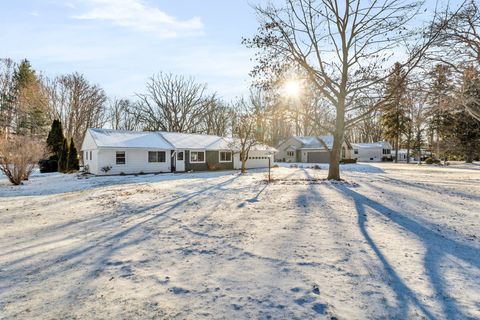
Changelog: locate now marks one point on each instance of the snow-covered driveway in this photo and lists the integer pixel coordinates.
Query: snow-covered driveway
(397, 241)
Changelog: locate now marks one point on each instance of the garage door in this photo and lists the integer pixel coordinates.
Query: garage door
(318, 157)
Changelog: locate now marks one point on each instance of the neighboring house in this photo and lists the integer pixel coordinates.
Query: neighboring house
(129, 152)
(310, 149)
(376, 151)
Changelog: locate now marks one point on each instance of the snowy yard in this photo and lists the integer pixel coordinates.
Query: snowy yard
(398, 241)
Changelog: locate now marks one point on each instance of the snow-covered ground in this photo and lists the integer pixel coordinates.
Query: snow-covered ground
(396, 241)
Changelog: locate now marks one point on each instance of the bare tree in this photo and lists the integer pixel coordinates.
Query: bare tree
(459, 44)
(217, 119)
(174, 103)
(78, 104)
(244, 129)
(123, 115)
(18, 156)
(346, 49)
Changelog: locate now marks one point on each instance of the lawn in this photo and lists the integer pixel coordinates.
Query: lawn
(394, 241)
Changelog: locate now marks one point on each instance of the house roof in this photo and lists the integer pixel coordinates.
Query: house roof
(374, 145)
(128, 139)
(315, 142)
(165, 140)
(192, 141)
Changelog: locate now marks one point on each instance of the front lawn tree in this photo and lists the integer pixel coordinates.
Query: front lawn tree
(346, 50)
(244, 129)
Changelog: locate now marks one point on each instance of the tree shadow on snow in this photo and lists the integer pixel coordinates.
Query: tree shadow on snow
(437, 247)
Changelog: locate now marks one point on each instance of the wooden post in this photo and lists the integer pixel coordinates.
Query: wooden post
(269, 168)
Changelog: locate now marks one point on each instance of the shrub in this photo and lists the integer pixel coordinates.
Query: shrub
(347, 161)
(18, 157)
(213, 166)
(430, 160)
(316, 167)
(72, 157)
(48, 165)
(122, 173)
(106, 169)
(275, 166)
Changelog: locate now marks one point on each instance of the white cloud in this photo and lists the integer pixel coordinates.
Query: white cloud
(139, 15)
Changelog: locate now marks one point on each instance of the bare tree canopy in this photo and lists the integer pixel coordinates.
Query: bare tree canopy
(78, 104)
(174, 103)
(346, 49)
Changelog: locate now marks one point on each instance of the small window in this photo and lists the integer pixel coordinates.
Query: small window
(225, 156)
(290, 154)
(156, 156)
(355, 151)
(180, 156)
(197, 156)
(120, 157)
(90, 155)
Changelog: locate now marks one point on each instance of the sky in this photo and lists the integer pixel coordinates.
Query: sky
(119, 44)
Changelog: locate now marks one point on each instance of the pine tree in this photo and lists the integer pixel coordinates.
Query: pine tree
(394, 118)
(440, 101)
(30, 102)
(63, 159)
(73, 164)
(466, 128)
(55, 138)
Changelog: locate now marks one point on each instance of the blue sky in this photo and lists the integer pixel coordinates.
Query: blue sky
(119, 44)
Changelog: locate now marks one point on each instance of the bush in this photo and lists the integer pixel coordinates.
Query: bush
(19, 155)
(316, 167)
(106, 169)
(275, 166)
(48, 165)
(347, 161)
(430, 160)
(213, 166)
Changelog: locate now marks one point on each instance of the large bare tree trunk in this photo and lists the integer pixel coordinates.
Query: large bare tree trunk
(334, 168)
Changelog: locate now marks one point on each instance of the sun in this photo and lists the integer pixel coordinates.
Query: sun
(292, 88)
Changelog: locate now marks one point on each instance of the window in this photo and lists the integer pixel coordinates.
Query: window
(156, 156)
(197, 156)
(120, 157)
(180, 156)
(290, 154)
(90, 155)
(225, 156)
(355, 151)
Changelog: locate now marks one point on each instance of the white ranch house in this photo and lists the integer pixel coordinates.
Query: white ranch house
(372, 152)
(310, 149)
(113, 152)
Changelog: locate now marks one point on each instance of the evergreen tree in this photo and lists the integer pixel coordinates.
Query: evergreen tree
(466, 129)
(73, 163)
(440, 100)
(394, 119)
(63, 159)
(30, 102)
(55, 138)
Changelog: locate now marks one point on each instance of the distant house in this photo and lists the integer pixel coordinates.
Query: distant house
(310, 149)
(128, 152)
(372, 152)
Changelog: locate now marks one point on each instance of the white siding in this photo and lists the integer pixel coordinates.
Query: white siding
(369, 154)
(291, 144)
(136, 161)
(257, 159)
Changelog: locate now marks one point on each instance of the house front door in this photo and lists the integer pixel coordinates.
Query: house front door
(180, 161)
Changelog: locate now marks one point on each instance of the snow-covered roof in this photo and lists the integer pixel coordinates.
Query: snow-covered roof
(128, 139)
(165, 140)
(230, 143)
(374, 145)
(191, 141)
(315, 142)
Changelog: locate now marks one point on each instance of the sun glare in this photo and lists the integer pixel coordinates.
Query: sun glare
(292, 88)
